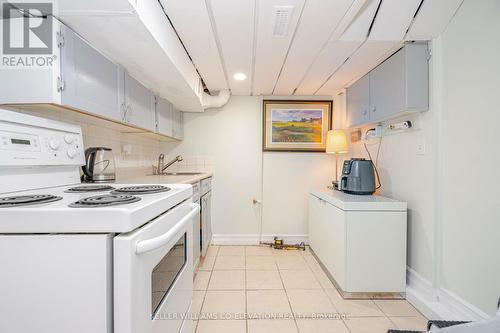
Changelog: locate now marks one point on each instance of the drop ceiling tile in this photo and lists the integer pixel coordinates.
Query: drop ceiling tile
(234, 25)
(319, 20)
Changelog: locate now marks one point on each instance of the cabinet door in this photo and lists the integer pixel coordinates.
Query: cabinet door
(164, 121)
(91, 81)
(178, 124)
(334, 220)
(387, 88)
(358, 102)
(315, 223)
(139, 104)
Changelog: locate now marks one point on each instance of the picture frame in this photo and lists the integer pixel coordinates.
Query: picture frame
(296, 125)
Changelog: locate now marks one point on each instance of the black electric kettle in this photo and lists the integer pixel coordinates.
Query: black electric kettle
(99, 165)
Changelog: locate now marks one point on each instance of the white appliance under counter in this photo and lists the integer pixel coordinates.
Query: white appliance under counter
(361, 242)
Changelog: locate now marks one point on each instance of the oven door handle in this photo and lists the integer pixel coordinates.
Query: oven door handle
(147, 245)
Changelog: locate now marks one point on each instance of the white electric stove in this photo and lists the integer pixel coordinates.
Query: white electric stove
(86, 257)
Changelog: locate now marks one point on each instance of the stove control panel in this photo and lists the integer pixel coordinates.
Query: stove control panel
(32, 141)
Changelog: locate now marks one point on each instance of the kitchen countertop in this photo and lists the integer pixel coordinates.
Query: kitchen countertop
(165, 179)
(346, 201)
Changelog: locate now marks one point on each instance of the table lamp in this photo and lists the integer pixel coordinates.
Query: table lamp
(336, 143)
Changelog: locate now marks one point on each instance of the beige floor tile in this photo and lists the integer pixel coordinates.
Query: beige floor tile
(212, 250)
(354, 308)
(221, 326)
(258, 251)
(201, 280)
(323, 279)
(290, 253)
(267, 304)
(410, 323)
(263, 280)
(291, 262)
(198, 297)
(299, 279)
(369, 325)
(229, 280)
(272, 326)
(193, 324)
(261, 262)
(312, 263)
(308, 303)
(229, 262)
(230, 302)
(207, 263)
(321, 326)
(231, 251)
(397, 308)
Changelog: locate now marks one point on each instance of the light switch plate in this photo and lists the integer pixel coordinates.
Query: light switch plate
(421, 149)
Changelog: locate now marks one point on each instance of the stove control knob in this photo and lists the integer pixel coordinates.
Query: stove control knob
(71, 153)
(54, 144)
(69, 139)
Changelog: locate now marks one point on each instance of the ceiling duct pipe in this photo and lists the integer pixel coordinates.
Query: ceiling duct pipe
(209, 101)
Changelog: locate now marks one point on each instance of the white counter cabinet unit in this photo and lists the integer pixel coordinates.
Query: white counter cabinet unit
(361, 241)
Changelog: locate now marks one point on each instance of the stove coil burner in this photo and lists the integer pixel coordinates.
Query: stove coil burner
(25, 200)
(104, 200)
(141, 189)
(90, 188)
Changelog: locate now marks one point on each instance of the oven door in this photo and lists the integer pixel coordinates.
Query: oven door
(153, 273)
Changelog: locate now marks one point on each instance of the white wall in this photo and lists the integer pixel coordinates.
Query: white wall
(231, 138)
(471, 159)
(454, 221)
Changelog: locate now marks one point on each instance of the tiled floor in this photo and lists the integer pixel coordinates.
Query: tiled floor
(252, 289)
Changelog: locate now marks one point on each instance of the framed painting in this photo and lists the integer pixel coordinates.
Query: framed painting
(296, 125)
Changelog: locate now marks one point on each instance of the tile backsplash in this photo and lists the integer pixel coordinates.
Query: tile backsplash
(143, 148)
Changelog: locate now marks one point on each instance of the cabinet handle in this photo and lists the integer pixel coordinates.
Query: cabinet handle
(365, 112)
(374, 109)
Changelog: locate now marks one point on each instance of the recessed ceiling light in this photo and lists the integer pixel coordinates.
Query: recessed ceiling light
(239, 76)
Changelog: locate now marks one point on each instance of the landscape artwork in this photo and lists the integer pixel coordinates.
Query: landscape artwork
(296, 125)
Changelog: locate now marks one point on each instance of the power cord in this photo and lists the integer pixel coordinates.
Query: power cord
(376, 160)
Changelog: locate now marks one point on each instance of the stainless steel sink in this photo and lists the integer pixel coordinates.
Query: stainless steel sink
(179, 174)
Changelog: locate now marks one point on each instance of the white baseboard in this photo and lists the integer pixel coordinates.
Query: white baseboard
(440, 304)
(254, 239)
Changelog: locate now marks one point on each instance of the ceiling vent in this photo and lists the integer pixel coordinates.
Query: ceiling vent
(282, 15)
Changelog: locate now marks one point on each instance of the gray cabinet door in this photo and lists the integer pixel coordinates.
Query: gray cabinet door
(401, 83)
(178, 124)
(358, 102)
(139, 104)
(387, 89)
(164, 121)
(91, 81)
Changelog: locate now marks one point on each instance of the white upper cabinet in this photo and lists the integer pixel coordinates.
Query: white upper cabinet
(399, 85)
(138, 104)
(90, 81)
(164, 121)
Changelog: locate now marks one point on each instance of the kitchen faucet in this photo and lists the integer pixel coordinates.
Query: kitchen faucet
(161, 163)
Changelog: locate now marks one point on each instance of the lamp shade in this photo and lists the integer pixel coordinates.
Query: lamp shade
(336, 142)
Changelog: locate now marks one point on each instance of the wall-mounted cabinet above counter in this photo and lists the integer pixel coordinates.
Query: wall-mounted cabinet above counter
(138, 35)
(397, 86)
(84, 80)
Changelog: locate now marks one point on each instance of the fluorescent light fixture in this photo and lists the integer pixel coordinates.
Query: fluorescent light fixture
(239, 76)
